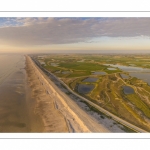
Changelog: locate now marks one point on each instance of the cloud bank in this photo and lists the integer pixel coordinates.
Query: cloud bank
(46, 31)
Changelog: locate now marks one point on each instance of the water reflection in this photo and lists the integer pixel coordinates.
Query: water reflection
(143, 76)
(111, 68)
(99, 73)
(124, 76)
(84, 88)
(90, 79)
(129, 68)
(128, 90)
(10, 64)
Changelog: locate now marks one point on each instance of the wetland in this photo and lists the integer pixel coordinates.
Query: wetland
(85, 88)
(121, 87)
(128, 90)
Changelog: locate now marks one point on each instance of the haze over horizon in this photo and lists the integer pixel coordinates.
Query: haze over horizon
(74, 34)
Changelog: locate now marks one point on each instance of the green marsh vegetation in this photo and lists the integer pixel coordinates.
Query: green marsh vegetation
(108, 89)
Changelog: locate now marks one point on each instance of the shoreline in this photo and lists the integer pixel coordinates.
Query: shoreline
(14, 116)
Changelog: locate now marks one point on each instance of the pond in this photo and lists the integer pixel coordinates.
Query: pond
(54, 64)
(128, 90)
(124, 76)
(85, 88)
(138, 72)
(129, 68)
(59, 71)
(111, 68)
(141, 75)
(66, 72)
(99, 73)
(90, 79)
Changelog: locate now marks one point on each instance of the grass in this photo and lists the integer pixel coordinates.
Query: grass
(83, 66)
(139, 104)
(102, 115)
(79, 74)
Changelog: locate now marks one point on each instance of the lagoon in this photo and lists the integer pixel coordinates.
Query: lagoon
(85, 88)
(141, 75)
(128, 90)
(111, 68)
(129, 68)
(99, 73)
(90, 79)
(124, 76)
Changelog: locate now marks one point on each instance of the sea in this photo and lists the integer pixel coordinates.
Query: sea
(9, 64)
(13, 107)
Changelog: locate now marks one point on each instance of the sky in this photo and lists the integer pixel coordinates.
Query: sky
(59, 34)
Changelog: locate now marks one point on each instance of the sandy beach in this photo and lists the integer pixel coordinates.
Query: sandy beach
(52, 119)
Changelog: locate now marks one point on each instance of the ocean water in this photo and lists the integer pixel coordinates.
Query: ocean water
(9, 64)
(13, 105)
(16, 102)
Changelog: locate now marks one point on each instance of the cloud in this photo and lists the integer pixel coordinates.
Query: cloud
(45, 31)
